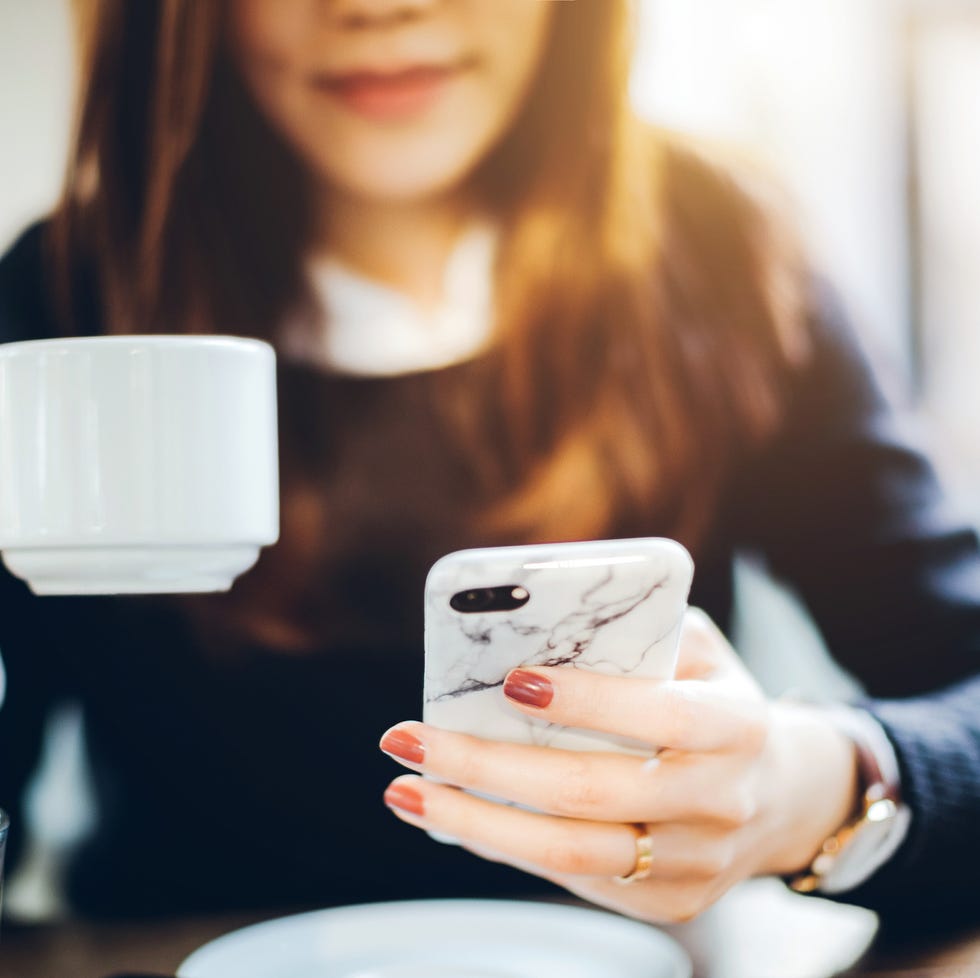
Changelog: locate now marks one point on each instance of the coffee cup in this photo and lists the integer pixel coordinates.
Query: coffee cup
(137, 464)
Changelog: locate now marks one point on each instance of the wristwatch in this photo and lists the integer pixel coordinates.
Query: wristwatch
(869, 839)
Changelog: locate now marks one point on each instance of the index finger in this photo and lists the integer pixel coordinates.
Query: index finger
(689, 715)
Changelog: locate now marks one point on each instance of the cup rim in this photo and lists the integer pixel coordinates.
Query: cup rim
(195, 340)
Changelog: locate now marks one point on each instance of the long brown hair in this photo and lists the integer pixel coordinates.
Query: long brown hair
(647, 305)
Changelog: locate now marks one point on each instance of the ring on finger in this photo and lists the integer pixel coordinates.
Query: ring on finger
(643, 866)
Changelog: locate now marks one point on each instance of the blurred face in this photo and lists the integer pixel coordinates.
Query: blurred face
(390, 99)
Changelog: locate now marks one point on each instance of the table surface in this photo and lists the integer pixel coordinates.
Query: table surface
(760, 932)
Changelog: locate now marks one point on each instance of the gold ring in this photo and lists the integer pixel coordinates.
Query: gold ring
(644, 857)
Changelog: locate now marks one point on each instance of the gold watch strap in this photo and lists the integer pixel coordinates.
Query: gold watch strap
(876, 807)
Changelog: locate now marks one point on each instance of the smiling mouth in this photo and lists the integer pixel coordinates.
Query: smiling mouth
(391, 95)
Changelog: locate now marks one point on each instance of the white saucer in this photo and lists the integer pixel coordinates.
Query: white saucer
(443, 939)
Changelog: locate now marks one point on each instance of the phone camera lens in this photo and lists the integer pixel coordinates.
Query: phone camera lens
(472, 601)
(486, 599)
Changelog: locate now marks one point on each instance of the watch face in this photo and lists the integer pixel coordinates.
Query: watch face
(881, 810)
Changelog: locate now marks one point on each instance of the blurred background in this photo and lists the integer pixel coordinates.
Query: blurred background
(866, 111)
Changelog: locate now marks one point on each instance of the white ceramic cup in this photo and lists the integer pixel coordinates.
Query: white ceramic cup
(137, 464)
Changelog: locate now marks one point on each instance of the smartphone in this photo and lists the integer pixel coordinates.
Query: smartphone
(610, 606)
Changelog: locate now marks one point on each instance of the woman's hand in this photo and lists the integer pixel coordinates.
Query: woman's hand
(741, 786)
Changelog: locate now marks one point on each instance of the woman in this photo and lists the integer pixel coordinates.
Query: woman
(506, 312)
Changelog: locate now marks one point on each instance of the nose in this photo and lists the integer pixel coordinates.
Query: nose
(354, 14)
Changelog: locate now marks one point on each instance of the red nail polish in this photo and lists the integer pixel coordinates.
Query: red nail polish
(403, 745)
(406, 798)
(529, 688)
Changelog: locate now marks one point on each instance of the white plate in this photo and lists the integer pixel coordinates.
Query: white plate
(443, 939)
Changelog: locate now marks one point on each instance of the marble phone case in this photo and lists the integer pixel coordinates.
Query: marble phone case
(613, 607)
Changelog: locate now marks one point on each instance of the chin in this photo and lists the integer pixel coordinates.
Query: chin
(399, 172)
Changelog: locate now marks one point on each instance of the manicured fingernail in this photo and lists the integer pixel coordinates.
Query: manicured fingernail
(529, 688)
(404, 746)
(406, 798)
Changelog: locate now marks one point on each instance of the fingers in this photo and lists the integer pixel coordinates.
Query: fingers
(607, 787)
(714, 704)
(704, 653)
(542, 844)
(559, 848)
(655, 901)
(688, 715)
(575, 784)
(703, 649)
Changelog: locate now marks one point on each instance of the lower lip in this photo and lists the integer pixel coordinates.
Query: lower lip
(392, 97)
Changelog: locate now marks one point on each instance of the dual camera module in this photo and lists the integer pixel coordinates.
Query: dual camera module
(483, 600)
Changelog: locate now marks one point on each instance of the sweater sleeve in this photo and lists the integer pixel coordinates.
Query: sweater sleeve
(32, 685)
(848, 511)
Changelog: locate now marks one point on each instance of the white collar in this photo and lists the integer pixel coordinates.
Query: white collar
(371, 329)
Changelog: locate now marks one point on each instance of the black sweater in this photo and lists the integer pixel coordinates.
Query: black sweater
(255, 779)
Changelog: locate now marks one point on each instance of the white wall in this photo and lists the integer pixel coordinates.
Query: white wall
(814, 91)
(948, 109)
(36, 68)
